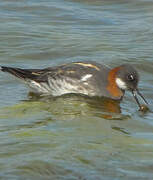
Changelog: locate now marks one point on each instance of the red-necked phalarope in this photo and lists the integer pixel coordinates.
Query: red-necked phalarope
(89, 78)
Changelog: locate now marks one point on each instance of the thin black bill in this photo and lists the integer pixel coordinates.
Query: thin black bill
(135, 97)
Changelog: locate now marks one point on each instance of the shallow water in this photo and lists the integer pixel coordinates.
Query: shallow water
(75, 137)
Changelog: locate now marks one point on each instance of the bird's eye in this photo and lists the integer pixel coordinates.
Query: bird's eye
(130, 77)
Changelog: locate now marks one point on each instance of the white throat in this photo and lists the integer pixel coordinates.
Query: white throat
(121, 84)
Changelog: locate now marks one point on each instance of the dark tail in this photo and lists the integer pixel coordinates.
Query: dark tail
(20, 73)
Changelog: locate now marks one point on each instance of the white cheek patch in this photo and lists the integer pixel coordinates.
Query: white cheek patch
(86, 77)
(121, 84)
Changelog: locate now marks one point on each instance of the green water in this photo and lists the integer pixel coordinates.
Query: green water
(75, 137)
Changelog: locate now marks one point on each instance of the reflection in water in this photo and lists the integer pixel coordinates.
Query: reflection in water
(65, 107)
(80, 104)
(68, 107)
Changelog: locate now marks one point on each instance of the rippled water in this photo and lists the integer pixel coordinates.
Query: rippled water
(75, 137)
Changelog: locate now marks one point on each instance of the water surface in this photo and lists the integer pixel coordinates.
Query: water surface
(74, 137)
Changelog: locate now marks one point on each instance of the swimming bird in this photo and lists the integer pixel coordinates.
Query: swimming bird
(88, 78)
